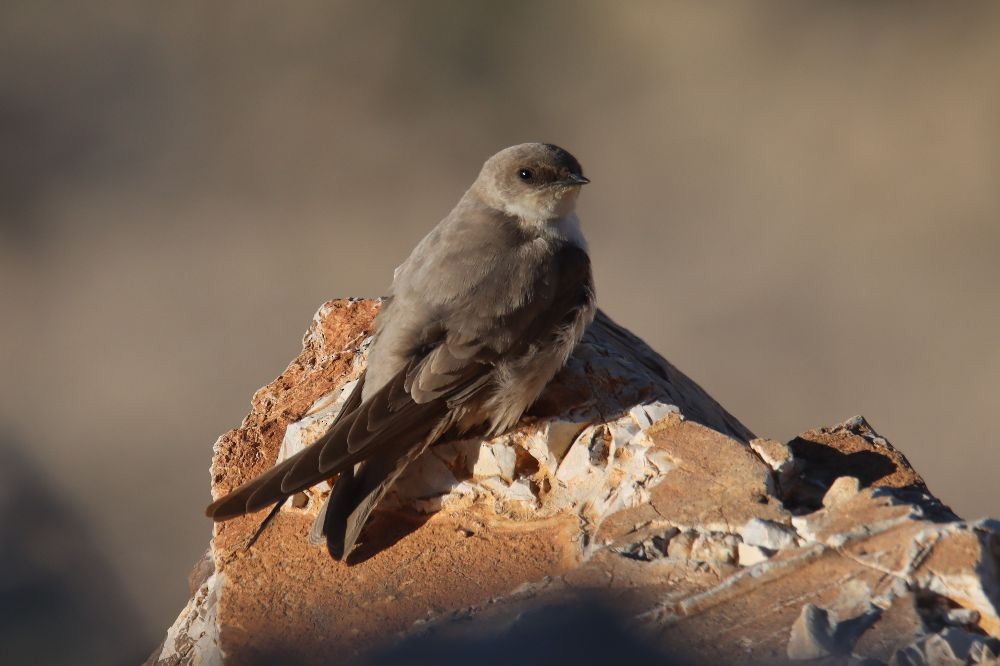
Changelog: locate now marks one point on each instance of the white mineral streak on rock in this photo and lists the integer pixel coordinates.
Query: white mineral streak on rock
(486, 464)
(767, 534)
(194, 636)
(518, 491)
(430, 477)
(641, 417)
(657, 411)
(577, 461)
(553, 441)
(506, 457)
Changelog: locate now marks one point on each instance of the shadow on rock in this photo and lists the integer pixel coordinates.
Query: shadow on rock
(582, 632)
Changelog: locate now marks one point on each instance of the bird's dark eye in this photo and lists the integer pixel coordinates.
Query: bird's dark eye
(525, 174)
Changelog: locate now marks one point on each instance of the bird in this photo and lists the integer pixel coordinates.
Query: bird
(479, 318)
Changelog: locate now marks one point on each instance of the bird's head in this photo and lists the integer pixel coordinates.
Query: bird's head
(531, 181)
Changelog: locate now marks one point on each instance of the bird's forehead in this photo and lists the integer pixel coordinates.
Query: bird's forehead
(539, 153)
(562, 158)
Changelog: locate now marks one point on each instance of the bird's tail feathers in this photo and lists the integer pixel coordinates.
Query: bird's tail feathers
(356, 494)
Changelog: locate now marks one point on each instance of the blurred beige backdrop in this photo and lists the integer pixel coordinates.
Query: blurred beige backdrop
(797, 203)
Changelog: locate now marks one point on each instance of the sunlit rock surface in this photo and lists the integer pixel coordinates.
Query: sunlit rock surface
(628, 485)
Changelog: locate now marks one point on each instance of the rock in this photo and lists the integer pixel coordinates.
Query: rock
(951, 647)
(853, 449)
(779, 457)
(750, 555)
(812, 634)
(962, 617)
(900, 625)
(767, 534)
(841, 490)
(817, 633)
(708, 547)
(627, 484)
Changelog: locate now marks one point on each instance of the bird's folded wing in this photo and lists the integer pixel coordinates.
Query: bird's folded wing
(385, 417)
(449, 374)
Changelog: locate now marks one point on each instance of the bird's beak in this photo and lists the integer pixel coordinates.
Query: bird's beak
(576, 179)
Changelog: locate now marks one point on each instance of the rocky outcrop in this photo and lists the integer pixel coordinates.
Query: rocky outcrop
(626, 486)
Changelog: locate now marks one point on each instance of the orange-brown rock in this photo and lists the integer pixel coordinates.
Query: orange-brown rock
(627, 484)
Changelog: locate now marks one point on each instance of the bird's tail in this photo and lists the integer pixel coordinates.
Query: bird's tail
(367, 446)
(355, 495)
(271, 486)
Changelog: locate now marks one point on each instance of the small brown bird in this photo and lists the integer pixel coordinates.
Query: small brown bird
(480, 317)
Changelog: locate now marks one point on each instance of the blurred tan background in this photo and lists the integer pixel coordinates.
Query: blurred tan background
(797, 203)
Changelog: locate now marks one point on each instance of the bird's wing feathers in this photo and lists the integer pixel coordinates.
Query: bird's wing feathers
(383, 417)
(389, 415)
(417, 400)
